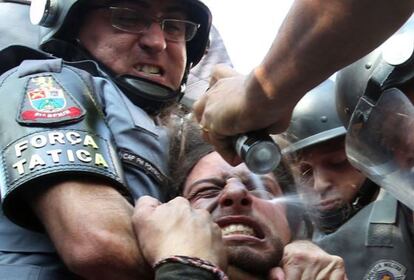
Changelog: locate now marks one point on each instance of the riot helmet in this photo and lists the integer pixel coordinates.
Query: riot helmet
(61, 19)
(315, 121)
(374, 100)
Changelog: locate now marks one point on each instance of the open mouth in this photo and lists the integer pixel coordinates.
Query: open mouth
(240, 227)
(237, 229)
(150, 70)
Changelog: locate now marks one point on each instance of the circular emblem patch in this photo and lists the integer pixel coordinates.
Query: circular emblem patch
(386, 270)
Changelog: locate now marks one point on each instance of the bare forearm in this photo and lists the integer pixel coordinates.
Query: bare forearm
(90, 225)
(318, 37)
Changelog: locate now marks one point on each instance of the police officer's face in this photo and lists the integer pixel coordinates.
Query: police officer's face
(326, 179)
(147, 54)
(254, 228)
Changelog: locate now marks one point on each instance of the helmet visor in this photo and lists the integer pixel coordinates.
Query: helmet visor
(380, 143)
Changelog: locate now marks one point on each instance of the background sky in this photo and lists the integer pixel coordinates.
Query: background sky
(248, 27)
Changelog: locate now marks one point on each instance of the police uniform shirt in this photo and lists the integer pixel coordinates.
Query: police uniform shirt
(58, 119)
(377, 243)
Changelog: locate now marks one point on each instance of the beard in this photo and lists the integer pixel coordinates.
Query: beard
(253, 260)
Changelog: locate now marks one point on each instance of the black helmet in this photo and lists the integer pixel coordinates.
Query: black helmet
(314, 119)
(372, 103)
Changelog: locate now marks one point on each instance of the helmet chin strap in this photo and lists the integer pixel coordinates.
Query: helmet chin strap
(329, 221)
(148, 95)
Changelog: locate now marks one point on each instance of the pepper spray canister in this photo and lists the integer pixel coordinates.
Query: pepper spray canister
(258, 150)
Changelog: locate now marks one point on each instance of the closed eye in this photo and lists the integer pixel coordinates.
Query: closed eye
(204, 192)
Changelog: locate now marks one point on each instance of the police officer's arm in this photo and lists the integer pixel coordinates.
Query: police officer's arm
(60, 171)
(317, 38)
(89, 223)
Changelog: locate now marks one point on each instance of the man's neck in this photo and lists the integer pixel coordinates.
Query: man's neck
(235, 273)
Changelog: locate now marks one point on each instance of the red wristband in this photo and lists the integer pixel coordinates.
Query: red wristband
(196, 262)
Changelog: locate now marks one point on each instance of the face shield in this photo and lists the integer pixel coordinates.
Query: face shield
(380, 142)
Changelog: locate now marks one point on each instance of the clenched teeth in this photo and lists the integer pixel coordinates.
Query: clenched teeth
(149, 69)
(237, 229)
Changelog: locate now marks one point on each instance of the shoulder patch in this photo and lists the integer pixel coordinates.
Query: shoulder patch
(46, 102)
(386, 270)
(144, 165)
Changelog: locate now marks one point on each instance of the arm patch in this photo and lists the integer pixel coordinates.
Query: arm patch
(47, 102)
(51, 143)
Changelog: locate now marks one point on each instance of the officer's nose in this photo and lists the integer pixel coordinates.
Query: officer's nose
(153, 39)
(321, 180)
(235, 195)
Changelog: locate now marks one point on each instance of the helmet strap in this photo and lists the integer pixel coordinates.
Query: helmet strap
(365, 194)
(148, 95)
(329, 221)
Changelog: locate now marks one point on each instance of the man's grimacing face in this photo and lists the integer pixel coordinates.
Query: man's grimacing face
(148, 54)
(255, 230)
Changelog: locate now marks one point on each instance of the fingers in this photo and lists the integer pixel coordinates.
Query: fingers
(215, 117)
(146, 204)
(306, 261)
(335, 270)
(179, 200)
(192, 231)
(198, 108)
(337, 274)
(221, 71)
(311, 270)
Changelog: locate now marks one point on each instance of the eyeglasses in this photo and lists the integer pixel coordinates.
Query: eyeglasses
(135, 21)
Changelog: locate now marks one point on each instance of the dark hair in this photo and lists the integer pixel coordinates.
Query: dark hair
(187, 147)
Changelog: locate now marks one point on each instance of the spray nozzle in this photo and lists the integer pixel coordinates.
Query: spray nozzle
(258, 151)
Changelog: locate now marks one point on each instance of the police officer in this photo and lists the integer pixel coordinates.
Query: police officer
(80, 131)
(374, 99)
(331, 188)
